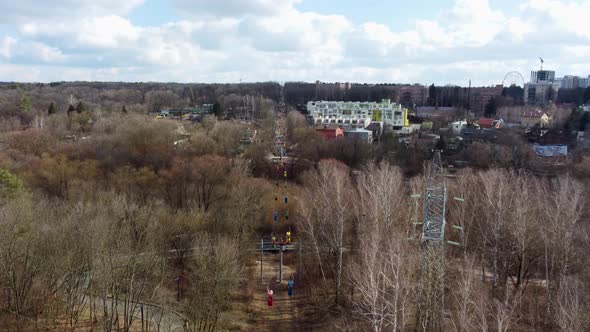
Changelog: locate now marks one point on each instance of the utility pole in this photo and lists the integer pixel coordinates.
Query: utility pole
(261, 256)
(281, 266)
(469, 97)
(141, 307)
(178, 289)
(300, 266)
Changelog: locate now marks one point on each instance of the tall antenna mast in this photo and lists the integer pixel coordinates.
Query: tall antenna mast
(469, 97)
(541, 62)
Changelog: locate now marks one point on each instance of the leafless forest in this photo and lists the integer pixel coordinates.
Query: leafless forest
(102, 210)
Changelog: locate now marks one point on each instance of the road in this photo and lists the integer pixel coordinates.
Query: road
(284, 314)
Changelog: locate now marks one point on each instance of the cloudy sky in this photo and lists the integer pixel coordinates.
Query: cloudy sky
(418, 41)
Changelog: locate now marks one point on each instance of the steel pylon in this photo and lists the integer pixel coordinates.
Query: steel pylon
(432, 286)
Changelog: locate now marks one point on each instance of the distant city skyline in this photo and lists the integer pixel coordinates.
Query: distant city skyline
(377, 41)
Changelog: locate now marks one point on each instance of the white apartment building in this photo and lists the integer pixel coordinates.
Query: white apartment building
(358, 114)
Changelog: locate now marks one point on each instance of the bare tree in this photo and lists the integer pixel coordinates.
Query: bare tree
(464, 295)
(215, 275)
(562, 210)
(496, 199)
(504, 313)
(382, 276)
(124, 262)
(568, 306)
(20, 256)
(295, 120)
(524, 229)
(327, 215)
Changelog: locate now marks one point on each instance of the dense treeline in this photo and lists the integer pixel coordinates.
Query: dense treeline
(21, 102)
(577, 96)
(301, 92)
(102, 211)
(520, 264)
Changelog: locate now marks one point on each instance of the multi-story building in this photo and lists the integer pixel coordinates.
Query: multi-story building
(358, 114)
(542, 76)
(540, 92)
(542, 88)
(570, 82)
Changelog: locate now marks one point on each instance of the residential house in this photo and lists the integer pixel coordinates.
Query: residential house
(485, 123)
(457, 126)
(330, 133)
(536, 117)
(489, 123)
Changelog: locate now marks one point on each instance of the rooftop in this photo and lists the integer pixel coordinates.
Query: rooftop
(533, 114)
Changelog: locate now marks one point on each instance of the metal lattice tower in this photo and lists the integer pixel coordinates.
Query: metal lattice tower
(431, 304)
(434, 203)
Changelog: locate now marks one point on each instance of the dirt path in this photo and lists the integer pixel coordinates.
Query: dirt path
(284, 315)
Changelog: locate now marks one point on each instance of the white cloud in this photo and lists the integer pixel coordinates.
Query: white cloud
(26, 10)
(233, 8)
(577, 51)
(12, 48)
(110, 31)
(567, 16)
(468, 24)
(273, 40)
(43, 52)
(6, 47)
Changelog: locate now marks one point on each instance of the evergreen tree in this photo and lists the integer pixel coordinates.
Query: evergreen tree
(432, 95)
(71, 109)
(574, 121)
(217, 110)
(24, 103)
(515, 92)
(80, 107)
(491, 108)
(10, 185)
(52, 109)
(584, 119)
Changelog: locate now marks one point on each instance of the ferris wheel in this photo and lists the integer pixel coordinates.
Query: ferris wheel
(513, 78)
